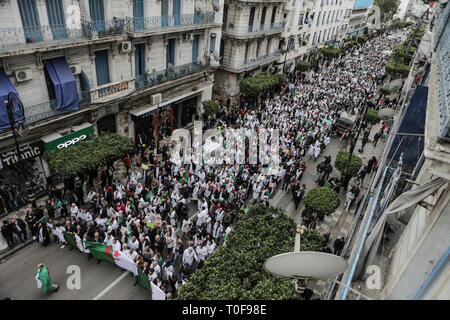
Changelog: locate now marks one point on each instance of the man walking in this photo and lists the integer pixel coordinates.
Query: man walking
(43, 279)
(376, 138)
(338, 245)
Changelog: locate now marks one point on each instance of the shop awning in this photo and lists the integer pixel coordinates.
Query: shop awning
(63, 82)
(5, 88)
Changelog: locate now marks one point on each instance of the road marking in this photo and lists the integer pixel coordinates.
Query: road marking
(101, 294)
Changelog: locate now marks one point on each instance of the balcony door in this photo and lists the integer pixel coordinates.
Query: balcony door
(139, 59)
(138, 14)
(30, 20)
(195, 45)
(102, 67)
(272, 19)
(57, 22)
(176, 11)
(170, 52)
(97, 11)
(164, 13)
(263, 18)
(251, 19)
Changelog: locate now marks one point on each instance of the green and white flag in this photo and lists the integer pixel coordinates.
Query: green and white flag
(43, 280)
(102, 251)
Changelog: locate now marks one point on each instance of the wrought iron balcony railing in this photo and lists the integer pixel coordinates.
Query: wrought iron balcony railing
(253, 30)
(42, 36)
(29, 37)
(158, 77)
(252, 62)
(157, 23)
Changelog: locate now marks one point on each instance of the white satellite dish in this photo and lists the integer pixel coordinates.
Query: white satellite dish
(306, 265)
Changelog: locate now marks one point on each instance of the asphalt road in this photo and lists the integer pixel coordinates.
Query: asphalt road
(104, 280)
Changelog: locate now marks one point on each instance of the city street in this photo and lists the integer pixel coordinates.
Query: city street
(105, 281)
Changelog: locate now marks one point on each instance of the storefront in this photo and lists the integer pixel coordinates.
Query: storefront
(31, 168)
(61, 140)
(107, 124)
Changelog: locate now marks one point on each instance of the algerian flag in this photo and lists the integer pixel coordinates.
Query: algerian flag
(80, 245)
(43, 280)
(157, 293)
(70, 238)
(149, 195)
(102, 251)
(143, 280)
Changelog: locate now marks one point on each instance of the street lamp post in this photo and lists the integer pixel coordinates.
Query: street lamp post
(21, 129)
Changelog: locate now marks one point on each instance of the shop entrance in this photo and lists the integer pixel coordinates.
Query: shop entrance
(186, 112)
(144, 126)
(107, 124)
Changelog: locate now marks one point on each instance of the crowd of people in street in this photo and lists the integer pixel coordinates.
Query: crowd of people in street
(147, 216)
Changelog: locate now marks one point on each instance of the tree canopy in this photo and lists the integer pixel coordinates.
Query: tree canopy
(387, 7)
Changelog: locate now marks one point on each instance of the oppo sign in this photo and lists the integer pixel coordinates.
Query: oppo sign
(71, 142)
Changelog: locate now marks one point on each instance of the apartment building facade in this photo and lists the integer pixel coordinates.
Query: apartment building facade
(358, 17)
(90, 66)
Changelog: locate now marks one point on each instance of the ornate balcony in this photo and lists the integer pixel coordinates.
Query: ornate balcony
(161, 23)
(255, 30)
(43, 36)
(240, 66)
(158, 77)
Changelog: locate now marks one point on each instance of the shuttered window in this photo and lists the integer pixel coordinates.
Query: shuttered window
(195, 45)
(97, 14)
(55, 12)
(102, 67)
(30, 20)
(138, 14)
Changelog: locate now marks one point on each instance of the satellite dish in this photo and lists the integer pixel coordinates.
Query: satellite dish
(308, 265)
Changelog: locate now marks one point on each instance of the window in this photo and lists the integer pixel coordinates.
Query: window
(139, 59)
(56, 20)
(176, 12)
(300, 19)
(247, 45)
(138, 14)
(30, 20)
(272, 19)
(323, 18)
(97, 15)
(291, 44)
(263, 18)
(328, 18)
(165, 13)
(318, 39)
(314, 38)
(251, 19)
(195, 45)
(318, 19)
(268, 46)
(102, 67)
(212, 43)
(170, 52)
(225, 17)
(258, 47)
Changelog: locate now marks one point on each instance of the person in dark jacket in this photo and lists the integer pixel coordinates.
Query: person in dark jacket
(7, 232)
(30, 219)
(338, 245)
(20, 229)
(50, 209)
(43, 235)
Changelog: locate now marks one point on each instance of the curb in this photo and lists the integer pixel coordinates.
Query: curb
(15, 250)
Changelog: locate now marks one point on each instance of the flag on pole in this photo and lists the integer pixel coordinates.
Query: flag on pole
(102, 251)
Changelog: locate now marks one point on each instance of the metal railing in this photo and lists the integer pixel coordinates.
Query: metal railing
(249, 63)
(158, 77)
(111, 89)
(157, 23)
(41, 36)
(38, 36)
(254, 29)
(49, 109)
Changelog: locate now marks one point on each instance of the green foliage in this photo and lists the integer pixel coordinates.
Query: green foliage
(361, 39)
(371, 116)
(303, 66)
(88, 154)
(211, 107)
(235, 271)
(252, 86)
(384, 91)
(341, 162)
(322, 200)
(397, 68)
(312, 240)
(330, 51)
(387, 7)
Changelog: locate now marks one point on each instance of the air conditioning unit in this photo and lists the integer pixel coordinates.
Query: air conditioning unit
(75, 68)
(156, 99)
(188, 36)
(24, 75)
(125, 47)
